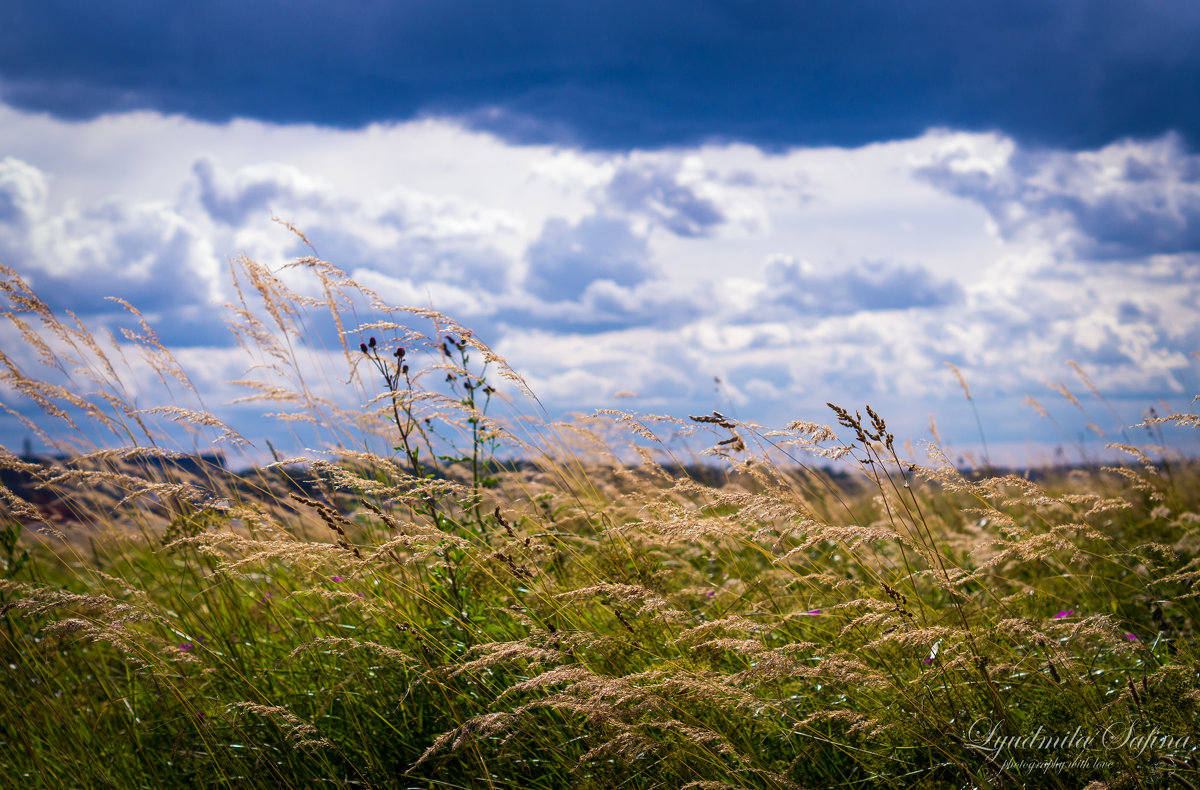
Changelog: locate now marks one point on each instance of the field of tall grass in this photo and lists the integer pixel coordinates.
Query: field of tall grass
(443, 592)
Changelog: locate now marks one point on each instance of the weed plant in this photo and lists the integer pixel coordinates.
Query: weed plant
(408, 606)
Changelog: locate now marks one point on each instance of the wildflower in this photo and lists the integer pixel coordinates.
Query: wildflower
(371, 342)
(1131, 637)
(363, 346)
(360, 595)
(933, 651)
(813, 611)
(187, 647)
(338, 578)
(1064, 613)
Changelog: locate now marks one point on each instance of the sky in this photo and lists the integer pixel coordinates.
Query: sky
(664, 207)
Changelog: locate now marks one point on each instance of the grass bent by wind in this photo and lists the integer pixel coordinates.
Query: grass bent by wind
(403, 605)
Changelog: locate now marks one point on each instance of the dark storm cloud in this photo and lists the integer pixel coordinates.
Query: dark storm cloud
(620, 73)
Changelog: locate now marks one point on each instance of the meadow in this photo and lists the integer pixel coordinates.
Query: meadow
(446, 592)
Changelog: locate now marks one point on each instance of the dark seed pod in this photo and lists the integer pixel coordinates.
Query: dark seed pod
(363, 346)
(371, 342)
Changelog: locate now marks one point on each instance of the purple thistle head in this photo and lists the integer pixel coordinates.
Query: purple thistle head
(1064, 613)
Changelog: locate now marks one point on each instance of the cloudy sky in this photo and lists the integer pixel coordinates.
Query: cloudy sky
(810, 201)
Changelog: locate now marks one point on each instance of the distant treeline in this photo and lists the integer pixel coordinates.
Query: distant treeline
(38, 480)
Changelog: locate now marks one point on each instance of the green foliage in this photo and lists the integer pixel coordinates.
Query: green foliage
(12, 556)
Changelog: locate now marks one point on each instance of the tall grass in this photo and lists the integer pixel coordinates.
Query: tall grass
(408, 606)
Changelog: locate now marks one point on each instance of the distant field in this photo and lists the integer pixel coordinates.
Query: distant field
(404, 610)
